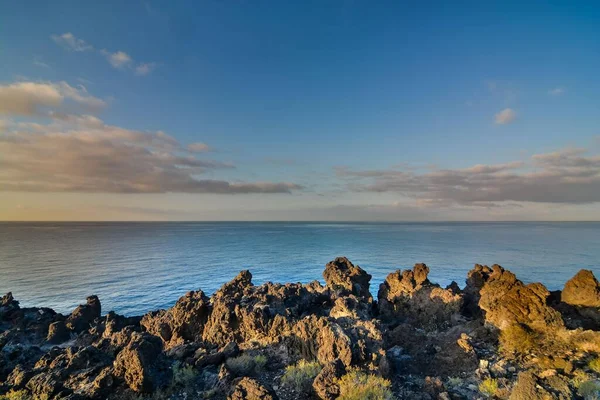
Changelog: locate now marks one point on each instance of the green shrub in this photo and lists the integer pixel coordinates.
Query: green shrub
(246, 365)
(518, 339)
(589, 390)
(357, 385)
(595, 365)
(16, 395)
(183, 375)
(300, 377)
(489, 387)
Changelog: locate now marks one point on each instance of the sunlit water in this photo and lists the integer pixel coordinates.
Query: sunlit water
(137, 267)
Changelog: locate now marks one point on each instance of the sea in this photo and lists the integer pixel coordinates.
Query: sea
(138, 267)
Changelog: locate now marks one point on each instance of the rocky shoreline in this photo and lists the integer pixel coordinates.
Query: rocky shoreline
(496, 338)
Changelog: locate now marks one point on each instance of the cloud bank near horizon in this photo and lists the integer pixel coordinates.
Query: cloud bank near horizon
(568, 176)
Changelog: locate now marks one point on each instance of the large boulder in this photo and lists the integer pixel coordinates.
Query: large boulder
(507, 301)
(82, 317)
(409, 296)
(346, 278)
(582, 290)
(136, 363)
(251, 389)
(326, 341)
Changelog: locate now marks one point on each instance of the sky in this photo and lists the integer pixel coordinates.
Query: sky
(312, 110)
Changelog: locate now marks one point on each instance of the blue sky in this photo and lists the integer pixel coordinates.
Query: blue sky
(292, 94)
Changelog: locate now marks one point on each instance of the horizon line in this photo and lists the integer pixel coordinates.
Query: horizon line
(291, 221)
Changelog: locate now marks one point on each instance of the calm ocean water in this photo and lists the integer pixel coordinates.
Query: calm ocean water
(137, 267)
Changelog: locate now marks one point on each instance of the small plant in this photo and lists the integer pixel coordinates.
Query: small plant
(357, 385)
(595, 365)
(455, 381)
(183, 375)
(246, 365)
(489, 387)
(589, 390)
(260, 362)
(518, 339)
(300, 377)
(16, 395)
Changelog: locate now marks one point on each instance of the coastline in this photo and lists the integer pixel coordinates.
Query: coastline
(416, 339)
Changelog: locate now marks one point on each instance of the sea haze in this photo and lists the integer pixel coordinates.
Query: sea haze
(137, 267)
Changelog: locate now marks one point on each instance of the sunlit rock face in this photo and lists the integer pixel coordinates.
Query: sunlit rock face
(582, 290)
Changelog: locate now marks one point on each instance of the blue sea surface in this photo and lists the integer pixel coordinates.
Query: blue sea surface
(138, 267)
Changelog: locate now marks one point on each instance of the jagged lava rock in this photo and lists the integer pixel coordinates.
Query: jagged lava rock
(408, 295)
(341, 275)
(81, 318)
(136, 362)
(58, 332)
(582, 290)
(183, 322)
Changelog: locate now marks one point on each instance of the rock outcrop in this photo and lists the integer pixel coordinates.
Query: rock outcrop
(183, 322)
(82, 317)
(507, 301)
(408, 296)
(582, 290)
(237, 343)
(346, 278)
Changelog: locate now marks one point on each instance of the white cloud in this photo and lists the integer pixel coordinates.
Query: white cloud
(80, 153)
(70, 42)
(118, 59)
(506, 116)
(557, 91)
(198, 147)
(30, 98)
(144, 69)
(40, 64)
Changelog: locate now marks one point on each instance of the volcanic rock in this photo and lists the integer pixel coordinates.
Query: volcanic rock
(409, 296)
(344, 277)
(251, 389)
(325, 384)
(82, 317)
(582, 290)
(58, 332)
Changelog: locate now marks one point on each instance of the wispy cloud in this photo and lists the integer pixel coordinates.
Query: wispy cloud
(505, 116)
(557, 91)
(198, 147)
(70, 42)
(144, 68)
(118, 59)
(38, 63)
